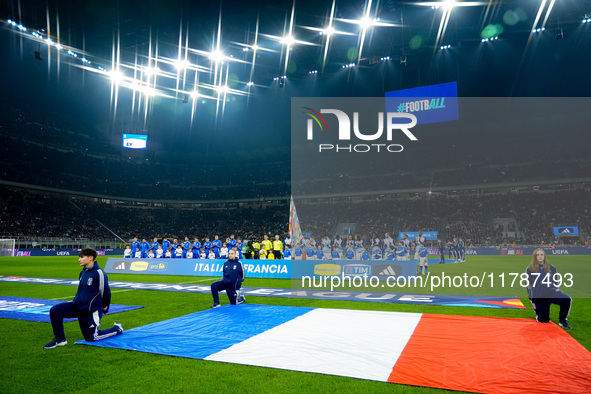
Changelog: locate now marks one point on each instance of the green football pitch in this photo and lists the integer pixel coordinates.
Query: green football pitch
(27, 367)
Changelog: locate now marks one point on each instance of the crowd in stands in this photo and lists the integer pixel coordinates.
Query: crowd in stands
(470, 217)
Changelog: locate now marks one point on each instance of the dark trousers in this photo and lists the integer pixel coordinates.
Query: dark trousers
(441, 257)
(89, 322)
(231, 291)
(542, 307)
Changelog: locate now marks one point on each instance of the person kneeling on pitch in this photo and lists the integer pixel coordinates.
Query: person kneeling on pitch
(543, 291)
(233, 276)
(91, 301)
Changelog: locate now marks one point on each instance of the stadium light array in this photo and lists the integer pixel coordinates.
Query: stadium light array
(490, 39)
(313, 72)
(538, 30)
(385, 58)
(443, 47)
(249, 83)
(588, 20)
(349, 65)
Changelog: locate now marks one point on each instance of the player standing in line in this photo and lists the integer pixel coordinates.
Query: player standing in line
(449, 250)
(543, 290)
(135, 245)
(91, 301)
(337, 243)
(441, 247)
(233, 276)
(155, 246)
(455, 250)
(239, 247)
(423, 258)
(388, 241)
(165, 245)
(462, 246)
(186, 247)
(406, 242)
(196, 248)
(231, 242)
(217, 244)
(420, 239)
(145, 246)
(174, 246)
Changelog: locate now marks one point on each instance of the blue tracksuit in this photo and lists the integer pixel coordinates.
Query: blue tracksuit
(186, 247)
(233, 276)
(217, 244)
(144, 247)
(92, 296)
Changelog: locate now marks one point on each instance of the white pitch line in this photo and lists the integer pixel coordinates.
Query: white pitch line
(123, 290)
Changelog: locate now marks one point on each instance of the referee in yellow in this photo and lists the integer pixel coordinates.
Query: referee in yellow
(278, 248)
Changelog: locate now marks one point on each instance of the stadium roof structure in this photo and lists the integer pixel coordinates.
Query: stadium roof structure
(215, 77)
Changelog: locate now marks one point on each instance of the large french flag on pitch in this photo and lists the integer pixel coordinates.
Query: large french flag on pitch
(478, 354)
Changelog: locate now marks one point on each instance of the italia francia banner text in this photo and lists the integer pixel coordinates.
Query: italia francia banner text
(279, 269)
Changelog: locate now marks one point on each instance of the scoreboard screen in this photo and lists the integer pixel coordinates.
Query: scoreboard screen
(135, 141)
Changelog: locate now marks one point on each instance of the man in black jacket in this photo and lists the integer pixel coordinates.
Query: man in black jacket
(233, 276)
(92, 300)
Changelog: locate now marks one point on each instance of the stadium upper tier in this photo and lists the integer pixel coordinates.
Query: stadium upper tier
(473, 217)
(47, 155)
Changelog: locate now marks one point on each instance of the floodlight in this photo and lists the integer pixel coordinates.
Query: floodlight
(288, 40)
(116, 76)
(181, 64)
(217, 56)
(329, 31)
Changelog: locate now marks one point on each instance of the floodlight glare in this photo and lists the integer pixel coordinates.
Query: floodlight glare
(288, 40)
(223, 89)
(365, 23)
(250, 83)
(329, 31)
(447, 4)
(152, 71)
(181, 64)
(255, 47)
(217, 56)
(194, 94)
(116, 76)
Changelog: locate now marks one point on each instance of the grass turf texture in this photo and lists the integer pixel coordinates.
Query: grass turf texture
(27, 367)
